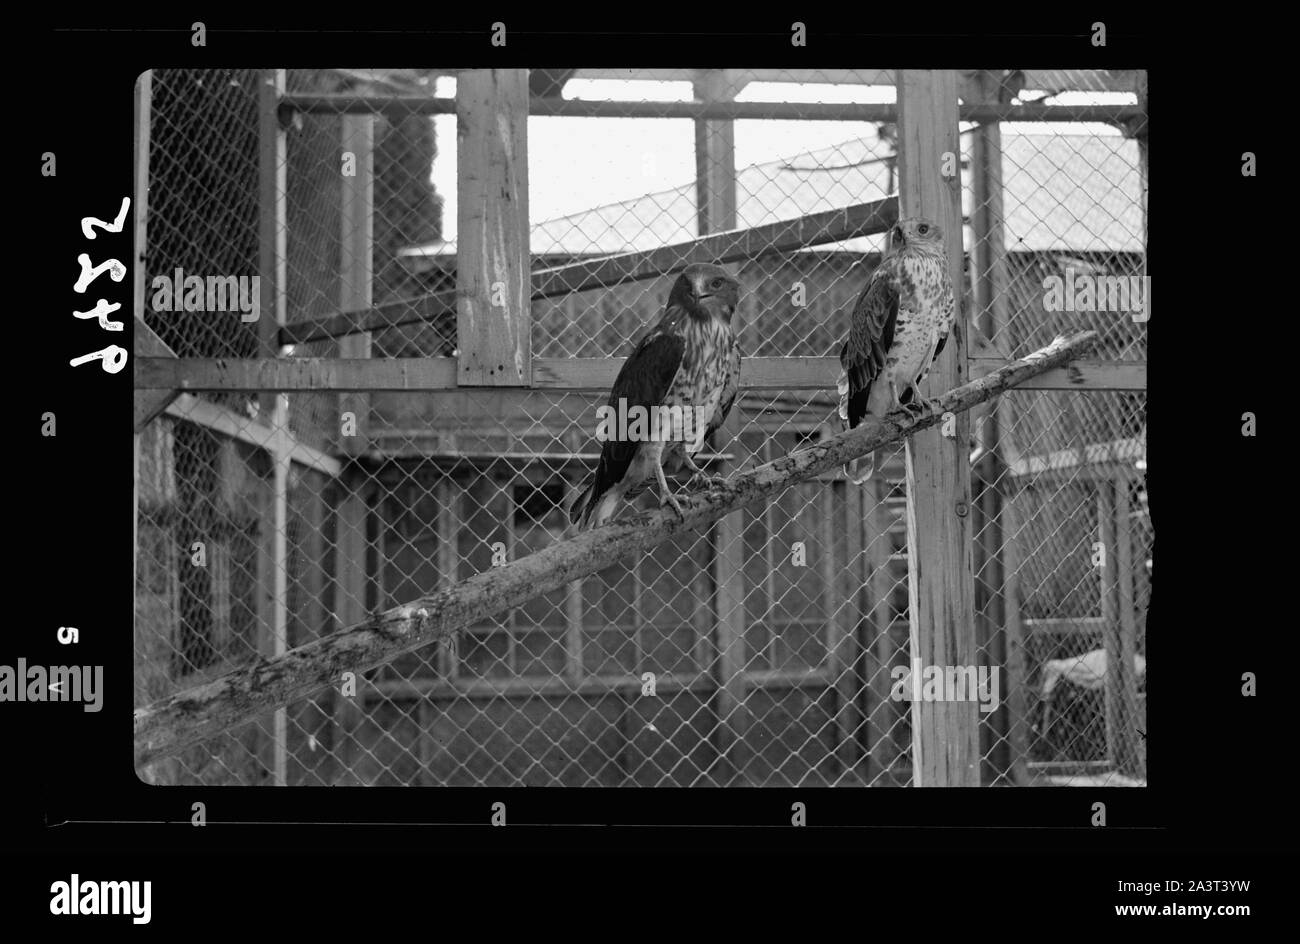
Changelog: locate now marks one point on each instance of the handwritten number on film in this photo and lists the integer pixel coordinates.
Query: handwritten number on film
(111, 358)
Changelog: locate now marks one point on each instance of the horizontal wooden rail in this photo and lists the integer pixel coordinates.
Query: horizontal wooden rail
(556, 374)
(816, 229)
(167, 727)
(399, 106)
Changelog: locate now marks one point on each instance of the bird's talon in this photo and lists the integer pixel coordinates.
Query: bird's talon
(702, 480)
(921, 406)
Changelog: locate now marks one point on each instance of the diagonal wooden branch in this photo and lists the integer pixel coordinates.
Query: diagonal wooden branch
(172, 724)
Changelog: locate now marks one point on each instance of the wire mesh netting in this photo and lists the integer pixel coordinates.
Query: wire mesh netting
(764, 650)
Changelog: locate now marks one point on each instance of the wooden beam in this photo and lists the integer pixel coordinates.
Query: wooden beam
(720, 245)
(402, 106)
(227, 422)
(1064, 625)
(1056, 80)
(1126, 451)
(559, 374)
(149, 401)
(172, 724)
(941, 604)
(493, 291)
(734, 245)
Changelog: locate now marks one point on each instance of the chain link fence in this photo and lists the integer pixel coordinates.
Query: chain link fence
(773, 636)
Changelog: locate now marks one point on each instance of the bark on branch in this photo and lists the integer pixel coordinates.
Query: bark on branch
(186, 718)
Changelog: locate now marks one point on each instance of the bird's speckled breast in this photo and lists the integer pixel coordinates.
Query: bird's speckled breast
(925, 308)
(702, 373)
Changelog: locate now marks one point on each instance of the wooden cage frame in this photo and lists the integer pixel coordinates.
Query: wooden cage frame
(492, 108)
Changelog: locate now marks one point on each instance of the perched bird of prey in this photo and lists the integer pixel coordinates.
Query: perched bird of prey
(897, 329)
(687, 359)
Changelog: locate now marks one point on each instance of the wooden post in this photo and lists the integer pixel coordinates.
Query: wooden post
(1110, 618)
(148, 403)
(715, 190)
(356, 290)
(356, 262)
(715, 156)
(1128, 627)
(875, 518)
(280, 580)
(140, 198)
(143, 101)
(272, 233)
(945, 735)
(1129, 758)
(449, 505)
(990, 283)
(493, 282)
(350, 558)
(1017, 669)
(842, 594)
(272, 256)
(312, 617)
(1140, 131)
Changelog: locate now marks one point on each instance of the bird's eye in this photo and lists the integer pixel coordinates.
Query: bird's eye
(716, 283)
(922, 229)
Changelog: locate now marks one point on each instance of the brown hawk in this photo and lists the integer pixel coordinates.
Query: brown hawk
(897, 329)
(688, 359)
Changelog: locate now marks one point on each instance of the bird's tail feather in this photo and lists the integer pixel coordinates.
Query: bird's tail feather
(602, 509)
(590, 510)
(842, 388)
(858, 470)
(578, 510)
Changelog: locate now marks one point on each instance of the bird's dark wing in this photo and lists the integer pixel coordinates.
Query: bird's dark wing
(730, 388)
(871, 334)
(644, 381)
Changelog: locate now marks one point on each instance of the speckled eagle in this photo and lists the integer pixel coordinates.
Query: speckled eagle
(897, 329)
(688, 358)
